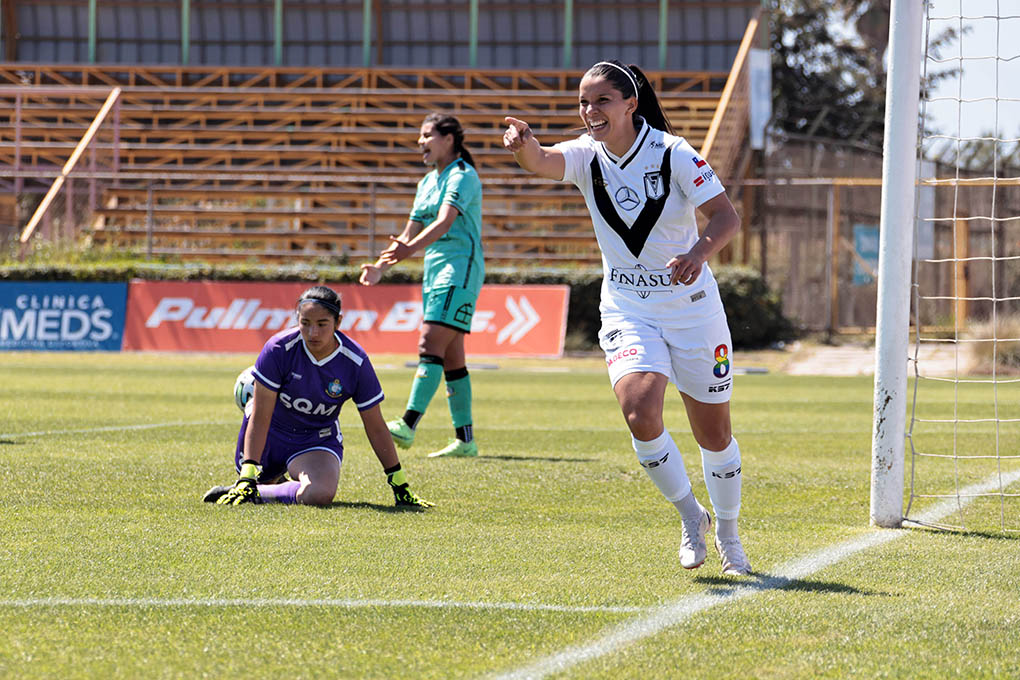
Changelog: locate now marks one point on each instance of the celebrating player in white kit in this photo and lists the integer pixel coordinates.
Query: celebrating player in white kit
(662, 317)
(302, 378)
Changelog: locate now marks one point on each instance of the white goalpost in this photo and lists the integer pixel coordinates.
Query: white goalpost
(947, 367)
(895, 239)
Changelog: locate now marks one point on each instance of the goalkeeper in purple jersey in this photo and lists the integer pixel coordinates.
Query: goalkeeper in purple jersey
(302, 377)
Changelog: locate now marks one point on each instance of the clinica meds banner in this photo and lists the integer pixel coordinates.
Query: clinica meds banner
(62, 316)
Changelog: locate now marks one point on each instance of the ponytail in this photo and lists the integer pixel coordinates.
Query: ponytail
(446, 124)
(648, 106)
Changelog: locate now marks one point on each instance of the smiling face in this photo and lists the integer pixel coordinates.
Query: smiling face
(436, 148)
(317, 327)
(607, 115)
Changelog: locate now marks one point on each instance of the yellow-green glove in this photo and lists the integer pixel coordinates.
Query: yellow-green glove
(397, 480)
(245, 489)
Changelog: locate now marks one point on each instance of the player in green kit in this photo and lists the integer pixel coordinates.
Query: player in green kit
(446, 220)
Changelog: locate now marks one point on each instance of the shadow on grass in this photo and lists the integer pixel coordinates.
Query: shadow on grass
(378, 507)
(547, 459)
(10, 441)
(964, 533)
(720, 585)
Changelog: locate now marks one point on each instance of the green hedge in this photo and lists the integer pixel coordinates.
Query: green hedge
(754, 312)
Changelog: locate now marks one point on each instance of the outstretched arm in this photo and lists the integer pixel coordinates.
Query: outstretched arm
(401, 249)
(372, 273)
(543, 161)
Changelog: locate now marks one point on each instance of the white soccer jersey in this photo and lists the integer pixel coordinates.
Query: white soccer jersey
(642, 208)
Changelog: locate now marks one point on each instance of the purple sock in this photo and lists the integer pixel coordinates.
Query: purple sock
(279, 493)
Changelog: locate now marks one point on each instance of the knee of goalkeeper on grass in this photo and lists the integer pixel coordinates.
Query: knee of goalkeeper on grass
(290, 447)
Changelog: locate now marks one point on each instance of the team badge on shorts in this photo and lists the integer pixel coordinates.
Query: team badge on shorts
(464, 313)
(334, 388)
(722, 361)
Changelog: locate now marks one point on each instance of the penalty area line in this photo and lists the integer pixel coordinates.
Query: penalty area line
(669, 615)
(297, 602)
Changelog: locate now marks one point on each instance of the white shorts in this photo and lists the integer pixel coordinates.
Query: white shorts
(698, 360)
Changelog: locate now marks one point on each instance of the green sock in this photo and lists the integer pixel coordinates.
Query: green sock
(458, 394)
(426, 381)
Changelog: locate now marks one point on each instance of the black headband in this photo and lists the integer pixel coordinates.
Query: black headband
(325, 303)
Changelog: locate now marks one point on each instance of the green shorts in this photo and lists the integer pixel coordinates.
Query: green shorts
(452, 306)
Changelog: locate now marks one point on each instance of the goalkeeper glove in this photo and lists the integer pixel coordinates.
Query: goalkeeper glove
(245, 489)
(397, 480)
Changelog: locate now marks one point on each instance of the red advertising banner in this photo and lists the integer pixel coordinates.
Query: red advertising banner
(214, 316)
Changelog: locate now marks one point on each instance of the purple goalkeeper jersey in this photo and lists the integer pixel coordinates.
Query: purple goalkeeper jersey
(309, 391)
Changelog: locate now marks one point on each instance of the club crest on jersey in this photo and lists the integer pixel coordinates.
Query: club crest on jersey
(627, 198)
(334, 389)
(655, 188)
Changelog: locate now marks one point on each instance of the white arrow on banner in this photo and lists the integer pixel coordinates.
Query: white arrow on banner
(524, 319)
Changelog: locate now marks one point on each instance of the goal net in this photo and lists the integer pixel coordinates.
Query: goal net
(962, 397)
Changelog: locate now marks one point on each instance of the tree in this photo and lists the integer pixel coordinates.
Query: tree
(990, 152)
(828, 73)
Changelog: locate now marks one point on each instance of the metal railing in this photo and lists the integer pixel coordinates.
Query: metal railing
(725, 141)
(74, 213)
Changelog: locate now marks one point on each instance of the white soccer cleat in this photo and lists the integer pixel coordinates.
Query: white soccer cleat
(734, 561)
(693, 549)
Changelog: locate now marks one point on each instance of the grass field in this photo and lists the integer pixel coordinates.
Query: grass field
(551, 555)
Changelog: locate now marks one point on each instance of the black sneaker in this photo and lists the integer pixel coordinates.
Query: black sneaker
(214, 494)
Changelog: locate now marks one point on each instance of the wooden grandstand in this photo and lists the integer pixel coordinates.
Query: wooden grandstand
(284, 163)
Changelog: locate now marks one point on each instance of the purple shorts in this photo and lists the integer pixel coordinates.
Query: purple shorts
(283, 446)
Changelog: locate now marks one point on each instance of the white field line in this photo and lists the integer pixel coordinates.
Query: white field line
(295, 602)
(669, 615)
(109, 428)
(494, 428)
(656, 619)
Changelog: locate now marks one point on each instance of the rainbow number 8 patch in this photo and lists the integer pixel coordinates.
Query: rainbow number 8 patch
(722, 361)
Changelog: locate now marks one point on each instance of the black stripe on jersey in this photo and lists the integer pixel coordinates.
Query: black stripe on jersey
(637, 149)
(634, 236)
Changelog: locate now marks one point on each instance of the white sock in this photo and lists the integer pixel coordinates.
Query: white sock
(722, 477)
(661, 459)
(689, 507)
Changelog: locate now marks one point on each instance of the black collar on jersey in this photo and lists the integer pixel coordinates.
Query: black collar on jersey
(634, 236)
(637, 149)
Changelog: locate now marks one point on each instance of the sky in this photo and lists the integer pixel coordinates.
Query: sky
(990, 52)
